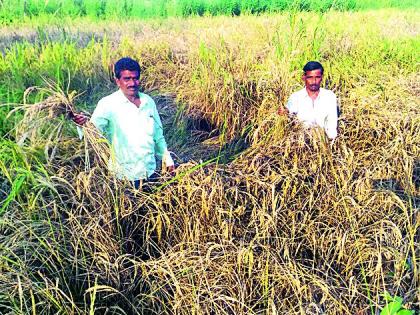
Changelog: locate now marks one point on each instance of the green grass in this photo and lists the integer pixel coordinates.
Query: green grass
(12, 11)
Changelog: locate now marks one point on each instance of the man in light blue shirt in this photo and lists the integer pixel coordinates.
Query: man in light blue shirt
(129, 120)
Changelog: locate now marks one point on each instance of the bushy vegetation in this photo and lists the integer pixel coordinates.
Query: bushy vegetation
(262, 216)
(16, 10)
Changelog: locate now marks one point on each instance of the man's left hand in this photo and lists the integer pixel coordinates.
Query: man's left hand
(171, 169)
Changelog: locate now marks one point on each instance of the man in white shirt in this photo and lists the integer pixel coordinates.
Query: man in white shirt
(313, 105)
(131, 123)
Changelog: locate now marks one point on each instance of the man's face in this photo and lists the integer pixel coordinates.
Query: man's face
(312, 80)
(129, 83)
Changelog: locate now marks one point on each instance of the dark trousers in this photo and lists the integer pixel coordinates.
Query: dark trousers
(141, 182)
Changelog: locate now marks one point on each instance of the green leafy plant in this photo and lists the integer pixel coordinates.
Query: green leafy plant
(394, 306)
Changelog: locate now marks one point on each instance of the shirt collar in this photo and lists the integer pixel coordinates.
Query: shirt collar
(305, 93)
(124, 99)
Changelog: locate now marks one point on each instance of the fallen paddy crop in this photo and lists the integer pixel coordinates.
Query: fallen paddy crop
(261, 216)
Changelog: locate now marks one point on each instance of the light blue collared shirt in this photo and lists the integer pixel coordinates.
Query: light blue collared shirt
(135, 134)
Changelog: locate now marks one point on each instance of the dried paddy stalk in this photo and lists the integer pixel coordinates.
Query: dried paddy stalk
(37, 116)
(42, 123)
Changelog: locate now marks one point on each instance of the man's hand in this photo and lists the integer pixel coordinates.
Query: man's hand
(332, 142)
(168, 164)
(282, 111)
(80, 119)
(171, 169)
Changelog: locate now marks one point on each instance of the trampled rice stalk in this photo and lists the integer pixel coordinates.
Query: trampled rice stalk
(289, 225)
(99, 144)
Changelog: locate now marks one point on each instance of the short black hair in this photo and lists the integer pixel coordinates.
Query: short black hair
(313, 65)
(125, 63)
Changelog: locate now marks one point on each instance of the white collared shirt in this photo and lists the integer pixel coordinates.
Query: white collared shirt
(135, 134)
(320, 112)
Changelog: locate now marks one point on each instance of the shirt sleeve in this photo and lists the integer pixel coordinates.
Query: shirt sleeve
(290, 105)
(331, 119)
(161, 148)
(100, 118)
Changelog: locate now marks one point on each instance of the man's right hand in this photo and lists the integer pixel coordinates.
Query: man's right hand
(80, 119)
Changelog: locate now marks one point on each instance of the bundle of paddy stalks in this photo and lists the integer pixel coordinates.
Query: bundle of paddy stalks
(43, 123)
(37, 119)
